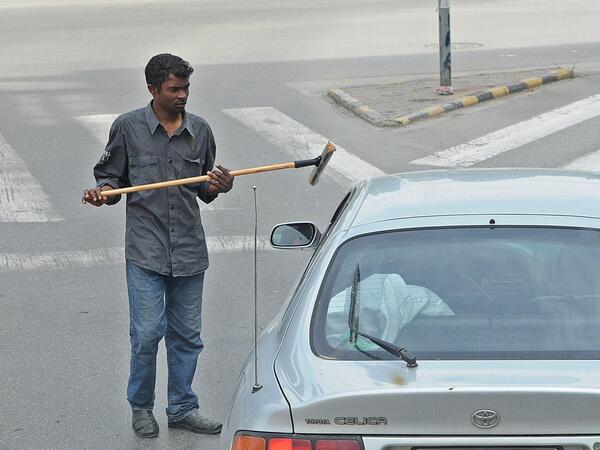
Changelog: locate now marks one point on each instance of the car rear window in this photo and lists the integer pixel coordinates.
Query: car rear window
(465, 293)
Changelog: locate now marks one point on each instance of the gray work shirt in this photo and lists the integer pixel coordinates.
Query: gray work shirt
(163, 228)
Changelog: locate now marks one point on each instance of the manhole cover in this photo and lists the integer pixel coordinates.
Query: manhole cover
(458, 45)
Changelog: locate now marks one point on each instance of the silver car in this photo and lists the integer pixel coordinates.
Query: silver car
(441, 310)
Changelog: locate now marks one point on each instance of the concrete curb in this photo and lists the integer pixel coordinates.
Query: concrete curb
(360, 109)
(485, 95)
(367, 113)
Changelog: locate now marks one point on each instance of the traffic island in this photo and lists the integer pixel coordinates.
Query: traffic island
(394, 104)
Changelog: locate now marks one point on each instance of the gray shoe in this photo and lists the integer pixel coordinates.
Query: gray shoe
(143, 423)
(198, 424)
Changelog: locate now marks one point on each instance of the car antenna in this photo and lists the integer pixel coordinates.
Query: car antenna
(257, 387)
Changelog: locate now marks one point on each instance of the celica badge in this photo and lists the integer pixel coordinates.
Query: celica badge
(348, 421)
(485, 418)
(360, 421)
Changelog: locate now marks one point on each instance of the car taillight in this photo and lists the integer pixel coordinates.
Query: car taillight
(289, 444)
(342, 444)
(249, 443)
(267, 441)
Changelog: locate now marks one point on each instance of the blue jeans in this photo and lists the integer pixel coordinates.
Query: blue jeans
(170, 307)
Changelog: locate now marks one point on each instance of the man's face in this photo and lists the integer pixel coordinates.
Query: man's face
(172, 95)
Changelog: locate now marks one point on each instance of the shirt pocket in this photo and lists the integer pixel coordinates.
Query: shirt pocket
(192, 167)
(143, 169)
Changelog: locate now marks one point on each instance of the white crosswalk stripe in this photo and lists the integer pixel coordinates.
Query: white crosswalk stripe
(18, 262)
(591, 162)
(300, 142)
(98, 125)
(22, 199)
(498, 142)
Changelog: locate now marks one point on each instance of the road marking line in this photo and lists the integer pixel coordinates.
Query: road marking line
(300, 142)
(98, 125)
(591, 161)
(18, 262)
(222, 244)
(35, 85)
(22, 199)
(493, 144)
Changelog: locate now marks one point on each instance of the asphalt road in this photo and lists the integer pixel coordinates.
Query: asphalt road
(68, 67)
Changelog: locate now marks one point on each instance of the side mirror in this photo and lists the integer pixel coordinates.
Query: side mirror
(295, 235)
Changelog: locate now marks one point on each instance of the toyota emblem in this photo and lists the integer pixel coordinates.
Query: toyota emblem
(485, 418)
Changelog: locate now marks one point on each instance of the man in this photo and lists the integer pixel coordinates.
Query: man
(165, 248)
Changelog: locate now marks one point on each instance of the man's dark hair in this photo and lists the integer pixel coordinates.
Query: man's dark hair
(161, 66)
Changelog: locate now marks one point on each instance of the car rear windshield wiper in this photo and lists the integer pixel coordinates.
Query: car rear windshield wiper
(353, 321)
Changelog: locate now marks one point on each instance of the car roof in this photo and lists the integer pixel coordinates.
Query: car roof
(552, 192)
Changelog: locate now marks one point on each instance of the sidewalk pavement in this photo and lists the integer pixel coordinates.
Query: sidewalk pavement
(402, 103)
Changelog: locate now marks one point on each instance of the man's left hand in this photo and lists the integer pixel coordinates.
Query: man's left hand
(220, 180)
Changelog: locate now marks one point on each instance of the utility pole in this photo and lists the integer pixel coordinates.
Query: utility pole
(445, 54)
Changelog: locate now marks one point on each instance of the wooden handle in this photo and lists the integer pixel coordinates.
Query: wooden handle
(191, 180)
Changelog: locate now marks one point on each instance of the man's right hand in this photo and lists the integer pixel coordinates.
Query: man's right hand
(94, 196)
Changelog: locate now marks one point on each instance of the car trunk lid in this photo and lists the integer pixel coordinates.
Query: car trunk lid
(442, 397)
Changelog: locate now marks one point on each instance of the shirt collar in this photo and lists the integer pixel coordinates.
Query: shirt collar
(187, 124)
(151, 118)
(153, 121)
